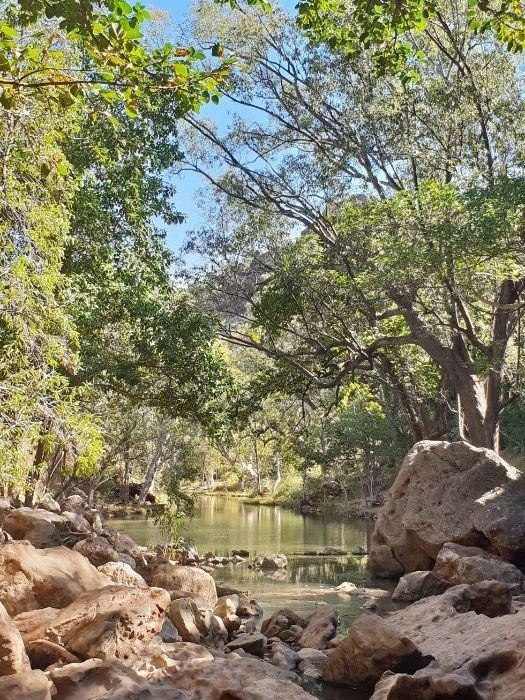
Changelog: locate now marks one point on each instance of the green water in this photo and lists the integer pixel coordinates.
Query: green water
(222, 524)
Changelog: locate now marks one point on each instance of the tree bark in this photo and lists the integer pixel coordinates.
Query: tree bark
(154, 464)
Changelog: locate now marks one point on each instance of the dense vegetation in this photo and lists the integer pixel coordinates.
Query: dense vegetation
(360, 279)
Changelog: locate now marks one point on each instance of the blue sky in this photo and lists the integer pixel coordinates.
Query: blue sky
(188, 185)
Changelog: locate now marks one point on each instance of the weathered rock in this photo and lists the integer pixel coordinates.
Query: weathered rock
(271, 562)
(233, 678)
(321, 628)
(372, 647)
(248, 607)
(282, 620)
(43, 653)
(182, 612)
(173, 577)
(254, 643)
(78, 522)
(122, 574)
(218, 629)
(448, 492)
(30, 685)
(47, 502)
(458, 564)
(97, 550)
(13, 657)
(114, 621)
(226, 605)
(240, 553)
(283, 656)
(346, 587)
(74, 502)
(123, 543)
(32, 578)
(40, 527)
(419, 584)
(332, 552)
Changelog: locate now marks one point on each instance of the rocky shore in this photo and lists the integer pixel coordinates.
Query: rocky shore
(87, 614)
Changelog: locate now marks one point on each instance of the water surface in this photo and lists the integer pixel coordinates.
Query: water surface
(223, 524)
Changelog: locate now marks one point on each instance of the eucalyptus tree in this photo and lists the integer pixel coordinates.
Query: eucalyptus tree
(400, 208)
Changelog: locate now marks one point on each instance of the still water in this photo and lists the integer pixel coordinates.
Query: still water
(222, 524)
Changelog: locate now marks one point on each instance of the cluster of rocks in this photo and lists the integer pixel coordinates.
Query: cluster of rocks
(86, 614)
(453, 528)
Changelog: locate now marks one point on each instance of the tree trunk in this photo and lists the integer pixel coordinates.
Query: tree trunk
(154, 464)
(124, 489)
(278, 460)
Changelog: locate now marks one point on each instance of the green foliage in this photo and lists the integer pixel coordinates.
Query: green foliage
(389, 29)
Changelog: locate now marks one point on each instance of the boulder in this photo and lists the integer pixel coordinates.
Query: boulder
(174, 577)
(43, 653)
(458, 564)
(182, 613)
(123, 543)
(282, 620)
(113, 622)
(78, 522)
(74, 502)
(47, 502)
(321, 628)
(372, 647)
(271, 562)
(419, 584)
(42, 528)
(248, 607)
(33, 578)
(244, 553)
(226, 605)
(97, 550)
(13, 657)
(29, 685)
(282, 656)
(122, 574)
(332, 552)
(254, 643)
(448, 492)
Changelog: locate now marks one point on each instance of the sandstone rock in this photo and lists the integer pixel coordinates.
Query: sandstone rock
(321, 628)
(122, 574)
(458, 564)
(218, 629)
(43, 653)
(114, 621)
(372, 647)
(47, 502)
(254, 643)
(282, 656)
(13, 657)
(123, 543)
(97, 550)
(282, 620)
(417, 585)
(448, 492)
(40, 527)
(74, 502)
(248, 607)
(30, 685)
(182, 613)
(226, 605)
(233, 678)
(270, 562)
(332, 552)
(174, 577)
(32, 578)
(78, 522)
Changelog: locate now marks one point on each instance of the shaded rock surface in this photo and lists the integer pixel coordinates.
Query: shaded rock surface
(174, 577)
(448, 492)
(321, 628)
(30, 685)
(13, 657)
(33, 578)
(458, 564)
(43, 528)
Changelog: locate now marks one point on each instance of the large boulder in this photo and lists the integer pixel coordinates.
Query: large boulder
(271, 562)
(372, 647)
(458, 564)
(174, 577)
(122, 574)
(321, 628)
(42, 528)
(187, 671)
(97, 550)
(33, 578)
(30, 685)
(113, 622)
(419, 584)
(13, 657)
(448, 492)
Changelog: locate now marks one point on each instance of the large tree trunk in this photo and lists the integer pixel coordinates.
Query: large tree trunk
(154, 464)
